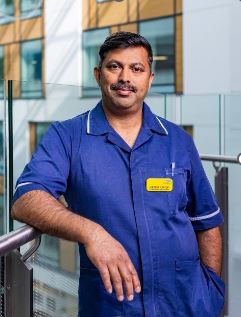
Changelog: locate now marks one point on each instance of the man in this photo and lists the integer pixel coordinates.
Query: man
(140, 204)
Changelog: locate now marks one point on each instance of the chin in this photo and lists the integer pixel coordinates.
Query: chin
(123, 105)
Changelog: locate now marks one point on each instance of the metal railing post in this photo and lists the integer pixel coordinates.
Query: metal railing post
(10, 150)
(8, 153)
(18, 280)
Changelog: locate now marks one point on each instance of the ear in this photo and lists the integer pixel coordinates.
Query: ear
(97, 74)
(151, 79)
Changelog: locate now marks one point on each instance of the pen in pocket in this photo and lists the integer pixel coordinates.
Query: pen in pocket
(173, 165)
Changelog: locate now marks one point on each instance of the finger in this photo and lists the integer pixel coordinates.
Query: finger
(105, 276)
(127, 281)
(135, 279)
(117, 282)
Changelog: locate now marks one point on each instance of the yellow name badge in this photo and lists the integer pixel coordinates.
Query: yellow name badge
(159, 184)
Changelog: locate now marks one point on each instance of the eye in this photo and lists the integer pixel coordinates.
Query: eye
(113, 66)
(137, 69)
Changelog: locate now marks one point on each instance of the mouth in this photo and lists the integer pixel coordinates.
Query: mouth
(124, 92)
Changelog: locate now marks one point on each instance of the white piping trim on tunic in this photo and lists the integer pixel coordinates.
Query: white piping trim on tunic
(88, 122)
(23, 184)
(205, 217)
(162, 125)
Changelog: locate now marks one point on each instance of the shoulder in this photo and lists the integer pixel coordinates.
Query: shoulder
(66, 133)
(70, 126)
(72, 123)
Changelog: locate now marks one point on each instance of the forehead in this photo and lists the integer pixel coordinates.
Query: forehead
(130, 54)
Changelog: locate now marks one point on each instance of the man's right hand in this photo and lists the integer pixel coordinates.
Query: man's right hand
(42, 211)
(113, 263)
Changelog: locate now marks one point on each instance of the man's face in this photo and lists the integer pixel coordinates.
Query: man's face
(124, 78)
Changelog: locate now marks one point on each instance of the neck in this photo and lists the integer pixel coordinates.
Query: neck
(127, 124)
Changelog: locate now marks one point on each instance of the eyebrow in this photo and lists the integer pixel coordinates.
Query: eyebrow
(120, 63)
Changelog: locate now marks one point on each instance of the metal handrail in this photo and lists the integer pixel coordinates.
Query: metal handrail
(25, 234)
(17, 238)
(221, 158)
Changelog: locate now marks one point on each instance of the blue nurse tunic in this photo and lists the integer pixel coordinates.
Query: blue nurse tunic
(105, 180)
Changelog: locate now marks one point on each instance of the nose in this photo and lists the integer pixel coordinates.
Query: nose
(124, 75)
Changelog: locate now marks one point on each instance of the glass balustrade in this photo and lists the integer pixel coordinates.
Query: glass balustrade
(212, 120)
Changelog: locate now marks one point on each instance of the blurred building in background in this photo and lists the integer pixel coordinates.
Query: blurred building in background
(196, 52)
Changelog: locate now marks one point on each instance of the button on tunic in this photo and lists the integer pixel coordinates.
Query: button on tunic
(104, 180)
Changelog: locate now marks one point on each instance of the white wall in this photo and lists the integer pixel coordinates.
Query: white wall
(63, 41)
(235, 45)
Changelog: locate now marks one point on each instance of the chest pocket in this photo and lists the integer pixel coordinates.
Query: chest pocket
(175, 199)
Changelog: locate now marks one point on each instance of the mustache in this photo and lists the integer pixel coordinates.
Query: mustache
(123, 86)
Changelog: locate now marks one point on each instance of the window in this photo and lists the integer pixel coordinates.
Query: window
(31, 8)
(37, 130)
(188, 129)
(6, 11)
(160, 34)
(31, 69)
(91, 43)
(41, 128)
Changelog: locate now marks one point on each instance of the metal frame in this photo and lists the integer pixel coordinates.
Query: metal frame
(17, 238)
(221, 158)
(16, 280)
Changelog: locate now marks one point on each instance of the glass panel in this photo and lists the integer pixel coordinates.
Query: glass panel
(2, 220)
(1, 71)
(31, 69)
(232, 125)
(55, 282)
(91, 44)
(49, 250)
(3, 216)
(157, 104)
(232, 147)
(55, 286)
(234, 207)
(160, 34)
(31, 8)
(6, 11)
(202, 112)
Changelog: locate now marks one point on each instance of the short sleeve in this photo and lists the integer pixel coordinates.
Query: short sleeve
(48, 169)
(202, 206)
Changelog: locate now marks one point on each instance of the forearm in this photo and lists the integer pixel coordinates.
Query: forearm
(210, 248)
(42, 211)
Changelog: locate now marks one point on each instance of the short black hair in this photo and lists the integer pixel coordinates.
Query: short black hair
(125, 40)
